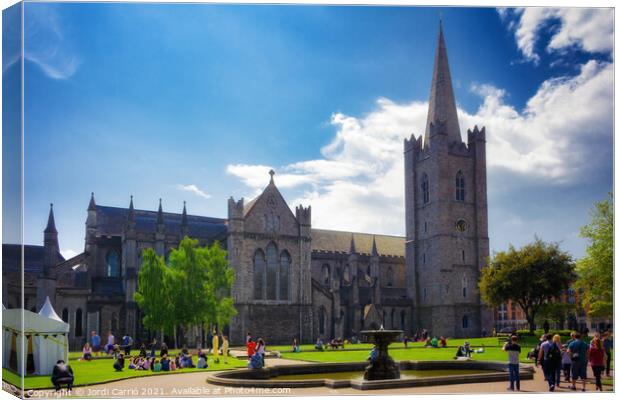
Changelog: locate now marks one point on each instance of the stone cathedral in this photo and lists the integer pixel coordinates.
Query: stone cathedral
(293, 280)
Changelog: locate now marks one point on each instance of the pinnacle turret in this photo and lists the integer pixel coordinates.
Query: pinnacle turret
(374, 246)
(160, 214)
(184, 215)
(442, 116)
(131, 215)
(51, 223)
(352, 250)
(92, 206)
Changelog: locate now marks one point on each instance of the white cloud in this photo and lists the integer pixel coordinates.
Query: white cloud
(69, 253)
(591, 29)
(358, 183)
(46, 44)
(195, 190)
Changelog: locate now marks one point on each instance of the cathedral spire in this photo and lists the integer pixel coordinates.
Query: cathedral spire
(442, 106)
(184, 215)
(374, 246)
(160, 214)
(132, 214)
(51, 223)
(92, 206)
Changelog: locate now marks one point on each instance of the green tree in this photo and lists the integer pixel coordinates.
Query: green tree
(530, 276)
(220, 278)
(595, 269)
(193, 289)
(153, 294)
(555, 311)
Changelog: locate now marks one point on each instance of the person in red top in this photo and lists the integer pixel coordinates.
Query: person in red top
(251, 345)
(597, 359)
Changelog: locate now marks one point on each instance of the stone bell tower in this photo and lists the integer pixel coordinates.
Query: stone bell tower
(446, 215)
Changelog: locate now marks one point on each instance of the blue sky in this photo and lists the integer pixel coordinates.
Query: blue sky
(197, 102)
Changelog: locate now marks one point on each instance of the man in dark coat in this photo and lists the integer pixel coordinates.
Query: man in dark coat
(62, 374)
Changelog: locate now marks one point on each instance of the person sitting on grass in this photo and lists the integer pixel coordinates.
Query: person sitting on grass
(429, 342)
(463, 351)
(119, 364)
(405, 340)
(295, 346)
(202, 361)
(152, 364)
(443, 342)
(142, 350)
(145, 365)
(186, 361)
(165, 363)
(173, 364)
(132, 363)
(434, 342)
(319, 344)
(62, 374)
(164, 350)
(86, 353)
(157, 365)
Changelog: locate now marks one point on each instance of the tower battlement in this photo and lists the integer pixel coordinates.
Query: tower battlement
(303, 215)
(235, 208)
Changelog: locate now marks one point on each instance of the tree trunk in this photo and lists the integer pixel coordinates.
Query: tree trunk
(175, 337)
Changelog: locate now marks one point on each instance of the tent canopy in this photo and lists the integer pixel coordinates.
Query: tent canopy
(48, 311)
(33, 323)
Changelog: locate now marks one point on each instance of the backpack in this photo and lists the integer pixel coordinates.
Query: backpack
(553, 354)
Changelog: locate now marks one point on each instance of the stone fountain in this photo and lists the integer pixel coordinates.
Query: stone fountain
(381, 366)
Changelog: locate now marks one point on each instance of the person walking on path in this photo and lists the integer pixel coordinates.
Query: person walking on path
(608, 345)
(513, 350)
(95, 341)
(225, 348)
(597, 357)
(550, 358)
(557, 340)
(216, 346)
(566, 363)
(579, 358)
(260, 350)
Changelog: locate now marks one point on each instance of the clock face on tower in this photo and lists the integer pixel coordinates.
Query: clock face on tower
(461, 225)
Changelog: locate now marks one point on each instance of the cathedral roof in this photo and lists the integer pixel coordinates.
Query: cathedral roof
(442, 106)
(33, 258)
(340, 241)
(111, 220)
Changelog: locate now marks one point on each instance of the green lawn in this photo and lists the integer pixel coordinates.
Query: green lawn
(399, 354)
(101, 370)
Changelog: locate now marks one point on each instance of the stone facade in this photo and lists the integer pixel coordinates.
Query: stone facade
(294, 281)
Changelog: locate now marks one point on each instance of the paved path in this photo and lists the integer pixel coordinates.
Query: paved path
(195, 385)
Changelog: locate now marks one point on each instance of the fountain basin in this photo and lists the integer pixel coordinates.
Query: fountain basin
(333, 375)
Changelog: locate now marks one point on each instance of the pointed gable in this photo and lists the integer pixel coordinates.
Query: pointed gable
(270, 213)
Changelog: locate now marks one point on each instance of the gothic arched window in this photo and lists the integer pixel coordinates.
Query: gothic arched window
(65, 315)
(325, 273)
(259, 274)
(390, 276)
(78, 323)
(283, 277)
(113, 264)
(465, 321)
(346, 274)
(425, 189)
(392, 318)
(460, 186)
(272, 272)
(464, 285)
(402, 320)
(321, 320)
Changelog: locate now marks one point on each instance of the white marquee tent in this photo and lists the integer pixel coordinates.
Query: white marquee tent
(46, 340)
